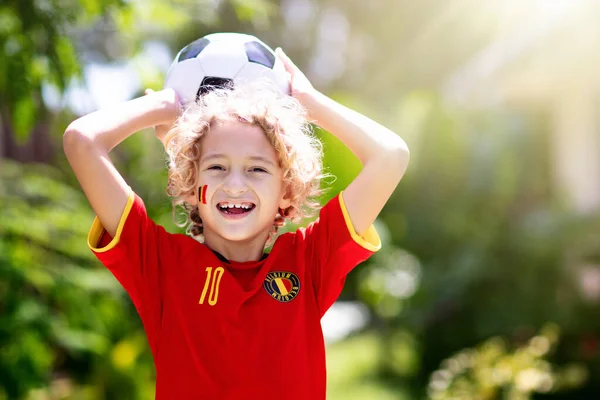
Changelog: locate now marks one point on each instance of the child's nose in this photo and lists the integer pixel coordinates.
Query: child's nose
(235, 184)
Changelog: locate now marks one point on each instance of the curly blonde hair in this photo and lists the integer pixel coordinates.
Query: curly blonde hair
(284, 122)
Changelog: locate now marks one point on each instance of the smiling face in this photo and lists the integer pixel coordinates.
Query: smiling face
(243, 183)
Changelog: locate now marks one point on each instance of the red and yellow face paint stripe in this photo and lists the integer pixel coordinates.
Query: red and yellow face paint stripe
(202, 194)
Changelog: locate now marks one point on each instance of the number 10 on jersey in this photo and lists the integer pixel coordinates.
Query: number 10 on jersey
(213, 280)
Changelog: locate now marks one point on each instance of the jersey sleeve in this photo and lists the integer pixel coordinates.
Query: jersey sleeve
(334, 249)
(136, 257)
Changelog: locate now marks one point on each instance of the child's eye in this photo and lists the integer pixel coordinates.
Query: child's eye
(216, 168)
(257, 169)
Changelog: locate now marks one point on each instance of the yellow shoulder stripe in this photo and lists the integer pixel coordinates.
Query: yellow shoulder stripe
(97, 229)
(370, 240)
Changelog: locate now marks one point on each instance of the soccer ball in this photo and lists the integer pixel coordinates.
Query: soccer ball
(222, 59)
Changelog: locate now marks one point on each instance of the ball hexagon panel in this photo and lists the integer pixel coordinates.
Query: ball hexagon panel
(188, 78)
(210, 82)
(253, 71)
(222, 61)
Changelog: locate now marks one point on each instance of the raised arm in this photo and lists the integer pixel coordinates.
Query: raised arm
(383, 154)
(88, 140)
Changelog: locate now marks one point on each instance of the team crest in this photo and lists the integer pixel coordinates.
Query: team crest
(282, 286)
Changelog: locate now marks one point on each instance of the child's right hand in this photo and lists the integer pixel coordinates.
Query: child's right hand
(172, 104)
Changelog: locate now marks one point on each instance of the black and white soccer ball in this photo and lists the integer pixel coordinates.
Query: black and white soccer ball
(222, 59)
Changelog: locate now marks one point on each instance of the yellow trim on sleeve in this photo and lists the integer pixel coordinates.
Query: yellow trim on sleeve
(369, 240)
(97, 229)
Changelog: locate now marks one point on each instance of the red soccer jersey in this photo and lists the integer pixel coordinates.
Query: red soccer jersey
(220, 329)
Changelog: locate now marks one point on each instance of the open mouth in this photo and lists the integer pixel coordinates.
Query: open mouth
(235, 209)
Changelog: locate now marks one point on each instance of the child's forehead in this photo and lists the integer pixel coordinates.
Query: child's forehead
(237, 139)
(235, 133)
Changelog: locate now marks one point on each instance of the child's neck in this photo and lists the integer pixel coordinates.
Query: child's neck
(238, 251)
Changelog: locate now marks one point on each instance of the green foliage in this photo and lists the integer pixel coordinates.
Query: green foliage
(353, 371)
(35, 48)
(494, 371)
(63, 317)
(477, 243)
(39, 43)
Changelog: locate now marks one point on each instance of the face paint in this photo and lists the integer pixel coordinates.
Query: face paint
(202, 194)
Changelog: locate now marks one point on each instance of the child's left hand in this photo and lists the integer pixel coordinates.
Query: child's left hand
(300, 86)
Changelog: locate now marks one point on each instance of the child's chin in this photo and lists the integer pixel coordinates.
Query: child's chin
(240, 235)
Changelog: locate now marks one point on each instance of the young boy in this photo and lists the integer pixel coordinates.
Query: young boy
(223, 319)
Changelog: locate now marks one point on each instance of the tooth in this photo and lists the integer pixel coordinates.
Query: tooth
(230, 205)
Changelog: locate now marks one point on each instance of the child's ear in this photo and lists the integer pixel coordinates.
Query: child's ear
(286, 199)
(285, 203)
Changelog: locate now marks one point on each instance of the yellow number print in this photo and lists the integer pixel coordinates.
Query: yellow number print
(213, 280)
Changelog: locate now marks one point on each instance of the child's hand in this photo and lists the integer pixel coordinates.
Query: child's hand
(172, 105)
(299, 83)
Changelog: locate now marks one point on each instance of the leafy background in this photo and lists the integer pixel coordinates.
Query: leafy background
(488, 285)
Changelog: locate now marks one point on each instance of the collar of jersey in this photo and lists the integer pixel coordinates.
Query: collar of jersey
(222, 258)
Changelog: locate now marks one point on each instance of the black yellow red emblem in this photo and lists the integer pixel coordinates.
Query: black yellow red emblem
(202, 194)
(282, 286)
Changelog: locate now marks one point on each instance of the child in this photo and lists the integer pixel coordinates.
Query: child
(223, 319)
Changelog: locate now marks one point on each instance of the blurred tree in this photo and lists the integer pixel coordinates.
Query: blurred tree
(480, 244)
(35, 48)
(494, 371)
(59, 314)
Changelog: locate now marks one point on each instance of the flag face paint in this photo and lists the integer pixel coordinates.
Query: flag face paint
(202, 194)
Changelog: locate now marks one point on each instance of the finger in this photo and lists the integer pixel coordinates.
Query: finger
(287, 62)
(290, 81)
(148, 91)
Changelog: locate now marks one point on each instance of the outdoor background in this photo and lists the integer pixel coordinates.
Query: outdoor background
(488, 284)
